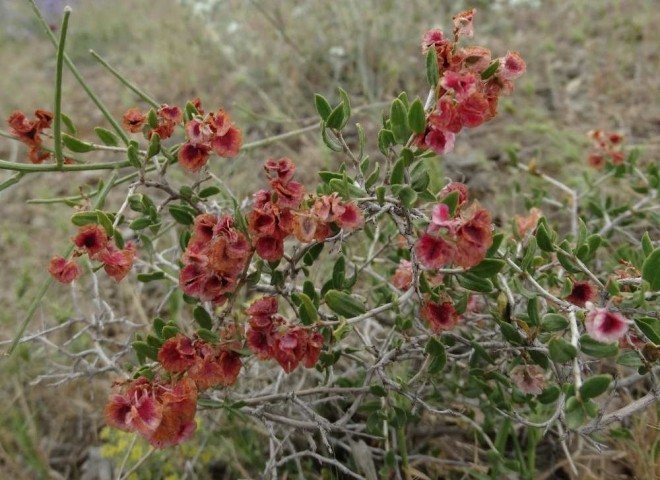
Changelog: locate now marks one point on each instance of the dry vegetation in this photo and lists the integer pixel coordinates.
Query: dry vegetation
(590, 64)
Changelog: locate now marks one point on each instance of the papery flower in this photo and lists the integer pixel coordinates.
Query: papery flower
(270, 248)
(198, 132)
(136, 409)
(133, 120)
(473, 110)
(177, 354)
(92, 239)
(512, 66)
(440, 141)
(527, 223)
(193, 157)
(433, 37)
(289, 194)
(351, 218)
(289, 348)
(403, 275)
(463, 85)
(604, 325)
(229, 144)
(118, 262)
(582, 293)
(304, 227)
(596, 161)
(433, 252)
(313, 352)
(203, 227)
(528, 378)
(463, 26)
(461, 188)
(474, 58)
(21, 127)
(444, 117)
(213, 368)
(439, 315)
(283, 168)
(263, 307)
(179, 404)
(473, 238)
(62, 270)
(219, 122)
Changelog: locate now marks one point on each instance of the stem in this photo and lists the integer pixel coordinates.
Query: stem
(81, 167)
(401, 441)
(45, 285)
(99, 104)
(140, 93)
(57, 121)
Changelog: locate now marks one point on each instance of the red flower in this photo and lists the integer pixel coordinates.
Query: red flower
(92, 239)
(136, 410)
(604, 325)
(474, 110)
(444, 117)
(433, 252)
(289, 348)
(474, 58)
(203, 228)
(270, 248)
(403, 275)
(228, 144)
(440, 315)
(283, 169)
(214, 368)
(133, 120)
(433, 38)
(63, 271)
(198, 132)
(461, 188)
(582, 293)
(289, 194)
(473, 238)
(118, 262)
(314, 346)
(528, 223)
(177, 354)
(440, 141)
(512, 66)
(179, 404)
(264, 307)
(463, 85)
(351, 218)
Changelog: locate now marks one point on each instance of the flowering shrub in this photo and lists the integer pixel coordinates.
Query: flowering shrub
(352, 313)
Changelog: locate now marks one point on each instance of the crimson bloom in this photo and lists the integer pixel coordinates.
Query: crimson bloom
(177, 354)
(62, 270)
(92, 239)
(440, 315)
(604, 325)
(582, 293)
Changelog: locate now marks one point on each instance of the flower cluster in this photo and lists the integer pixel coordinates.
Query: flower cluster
(269, 336)
(208, 365)
(29, 132)
(606, 146)
(278, 214)
(94, 241)
(462, 239)
(163, 412)
(215, 256)
(167, 118)
(469, 85)
(214, 132)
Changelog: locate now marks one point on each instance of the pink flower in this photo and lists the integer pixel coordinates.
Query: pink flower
(433, 38)
(177, 354)
(463, 85)
(62, 270)
(604, 325)
(440, 315)
(463, 26)
(474, 237)
(403, 275)
(440, 141)
(198, 132)
(229, 144)
(92, 239)
(445, 117)
(289, 194)
(461, 188)
(528, 378)
(512, 66)
(118, 262)
(351, 218)
(193, 157)
(282, 169)
(474, 110)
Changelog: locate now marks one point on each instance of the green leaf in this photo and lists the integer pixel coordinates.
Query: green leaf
(68, 123)
(326, 176)
(158, 324)
(208, 192)
(84, 218)
(154, 146)
(437, 353)
(553, 322)
(144, 350)
(543, 238)
(489, 267)
(650, 327)
(207, 335)
(181, 214)
(561, 351)
(597, 349)
(385, 140)
(170, 331)
(330, 140)
(133, 155)
(140, 223)
(651, 269)
(629, 358)
(373, 178)
(407, 195)
(105, 222)
(549, 395)
(419, 177)
(647, 245)
(339, 273)
(76, 145)
(150, 277)
(451, 200)
(106, 136)
(432, 68)
(346, 105)
(336, 118)
(490, 70)
(203, 317)
(417, 116)
(322, 106)
(594, 386)
(362, 140)
(475, 283)
(510, 334)
(378, 390)
(344, 304)
(399, 121)
(397, 174)
(307, 310)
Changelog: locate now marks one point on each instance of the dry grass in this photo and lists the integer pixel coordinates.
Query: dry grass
(590, 64)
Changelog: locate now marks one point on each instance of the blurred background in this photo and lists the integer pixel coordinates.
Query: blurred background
(590, 64)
